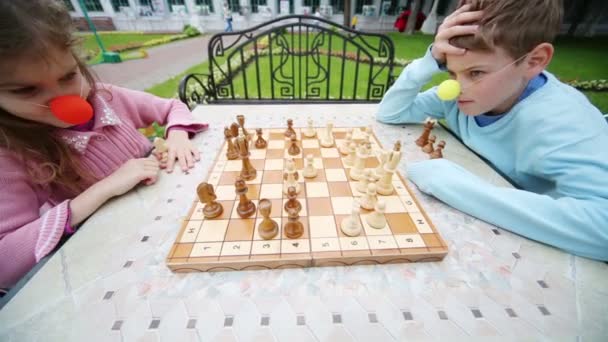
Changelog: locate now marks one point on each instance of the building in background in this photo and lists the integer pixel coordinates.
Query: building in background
(586, 16)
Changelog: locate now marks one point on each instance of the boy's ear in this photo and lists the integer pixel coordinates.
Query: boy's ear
(539, 58)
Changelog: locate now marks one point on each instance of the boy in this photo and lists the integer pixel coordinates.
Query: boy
(541, 133)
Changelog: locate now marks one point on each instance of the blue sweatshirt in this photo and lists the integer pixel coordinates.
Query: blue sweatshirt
(553, 144)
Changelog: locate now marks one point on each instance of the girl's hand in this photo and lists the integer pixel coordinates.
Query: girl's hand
(181, 148)
(454, 25)
(130, 174)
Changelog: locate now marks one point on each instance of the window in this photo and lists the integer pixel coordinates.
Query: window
(206, 2)
(393, 8)
(255, 4)
(93, 6)
(145, 3)
(313, 4)
(359, 5)
(234, 6)
(117, 4)
(69, 5)
(176, 3)
(338, 6)
(279, 7)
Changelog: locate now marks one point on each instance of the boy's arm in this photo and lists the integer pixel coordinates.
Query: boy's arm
(577, 225)
(404, 103)
(147, 108)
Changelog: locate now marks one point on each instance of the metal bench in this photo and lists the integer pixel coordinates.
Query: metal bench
(293, 59)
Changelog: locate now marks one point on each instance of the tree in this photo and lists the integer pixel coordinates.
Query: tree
(411, 23)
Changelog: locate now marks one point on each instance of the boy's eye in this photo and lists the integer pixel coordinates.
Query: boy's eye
(24, 91)
(476, 73)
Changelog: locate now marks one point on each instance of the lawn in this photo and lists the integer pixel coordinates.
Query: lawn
(575, 59)
(112, 40)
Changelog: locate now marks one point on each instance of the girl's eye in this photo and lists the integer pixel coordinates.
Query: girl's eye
(24, 91)
(476, 73)
(69, 76)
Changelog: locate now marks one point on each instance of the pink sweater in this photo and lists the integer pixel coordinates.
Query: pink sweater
(26, 236)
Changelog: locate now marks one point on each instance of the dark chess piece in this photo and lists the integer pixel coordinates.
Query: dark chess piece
(206, 195)
(268, 228)
(246, 207)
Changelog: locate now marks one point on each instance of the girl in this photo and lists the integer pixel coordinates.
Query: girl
(67, 143)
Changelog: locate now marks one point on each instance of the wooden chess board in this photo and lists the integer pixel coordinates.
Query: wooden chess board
(229, 242)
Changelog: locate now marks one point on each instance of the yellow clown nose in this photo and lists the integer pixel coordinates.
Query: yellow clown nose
(448, 90)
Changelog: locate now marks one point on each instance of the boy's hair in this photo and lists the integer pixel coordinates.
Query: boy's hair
(33, 28)
(517, 26)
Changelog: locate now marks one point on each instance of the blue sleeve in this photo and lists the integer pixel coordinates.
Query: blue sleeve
(404, 103)
(577, 225)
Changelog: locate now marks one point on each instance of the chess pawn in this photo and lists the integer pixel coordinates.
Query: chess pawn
(246, 207)
(231, 150)
(428, 126)
(241, 120)
(327, 140)
(289, 131)
(351, 225)
(309, 169)
(428, 148)
(234, 129)
(349, 161)
(343, 149)
(292, 202)
(364, 181)
(206, 195)
(377, 219)
(260, 142)
(368, 201)
(268, 228)
(309, 132)
(290, 176)
(379, 171)
(293, 228)
(248, 172)
(437, 153)
(356, 172)
(293, 149)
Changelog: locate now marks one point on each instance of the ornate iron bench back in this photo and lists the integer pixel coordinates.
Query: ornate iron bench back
(293, 59)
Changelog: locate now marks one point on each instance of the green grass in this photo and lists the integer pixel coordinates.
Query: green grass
(90, 47)
(575, 58)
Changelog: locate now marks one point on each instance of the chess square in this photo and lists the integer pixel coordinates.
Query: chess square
(271, 191)
(310, 143)
(374, 231)
(257, 154)
(322, 226)
(233, 165)
(335, 175)
(332, 163)
(274, 154)
(355, 243)
(229, 177)
(290, 246)
(303, 212)
(420, 222)
(319, 206)
(410, 205)
(276, 145)
(214, 178)
(339, 189)
(206, 249)
(325, 244)
(266, 247)
(298, 156)
(273, 164)
(272, 177)
(330, 152)
(256, 234)
(409, 241)
(400, 223)
(382, 242)
(239, 230)
(258, 178)
(191, 231)
(236, 248)
(393, 204)
(353, 188)
(316, 153)
(212, 230)
(342, 205)
(225, 192)
(317, 189)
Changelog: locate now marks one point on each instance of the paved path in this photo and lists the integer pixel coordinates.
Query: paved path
(163, 62)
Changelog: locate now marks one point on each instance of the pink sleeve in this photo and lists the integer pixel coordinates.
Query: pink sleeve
(25, 236)
(144, 109)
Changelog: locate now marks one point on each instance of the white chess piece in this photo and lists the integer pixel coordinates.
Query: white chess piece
(351, 225)
(310, 132)
(376, 219)
(328, 136)
(343, 149)
(356, 172)
(290, 176)
(385, 184)
(382, 158)
(349, 161)
(309, 170)
(364, 181)
(368, 201)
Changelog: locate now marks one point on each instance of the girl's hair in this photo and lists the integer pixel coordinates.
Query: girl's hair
(32, 28)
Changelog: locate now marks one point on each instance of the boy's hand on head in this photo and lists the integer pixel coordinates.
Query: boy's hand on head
(456, 24)
(131, 173)
(181, 148)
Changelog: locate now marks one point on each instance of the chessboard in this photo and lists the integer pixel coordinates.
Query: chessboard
(230, 242)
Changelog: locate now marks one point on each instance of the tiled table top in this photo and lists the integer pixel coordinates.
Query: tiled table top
(110, 283)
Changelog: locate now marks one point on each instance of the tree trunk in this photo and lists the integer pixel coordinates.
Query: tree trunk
(347, 13)
(411, 21)
(581, 11)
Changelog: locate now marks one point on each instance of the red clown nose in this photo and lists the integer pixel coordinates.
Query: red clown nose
(71, 109)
